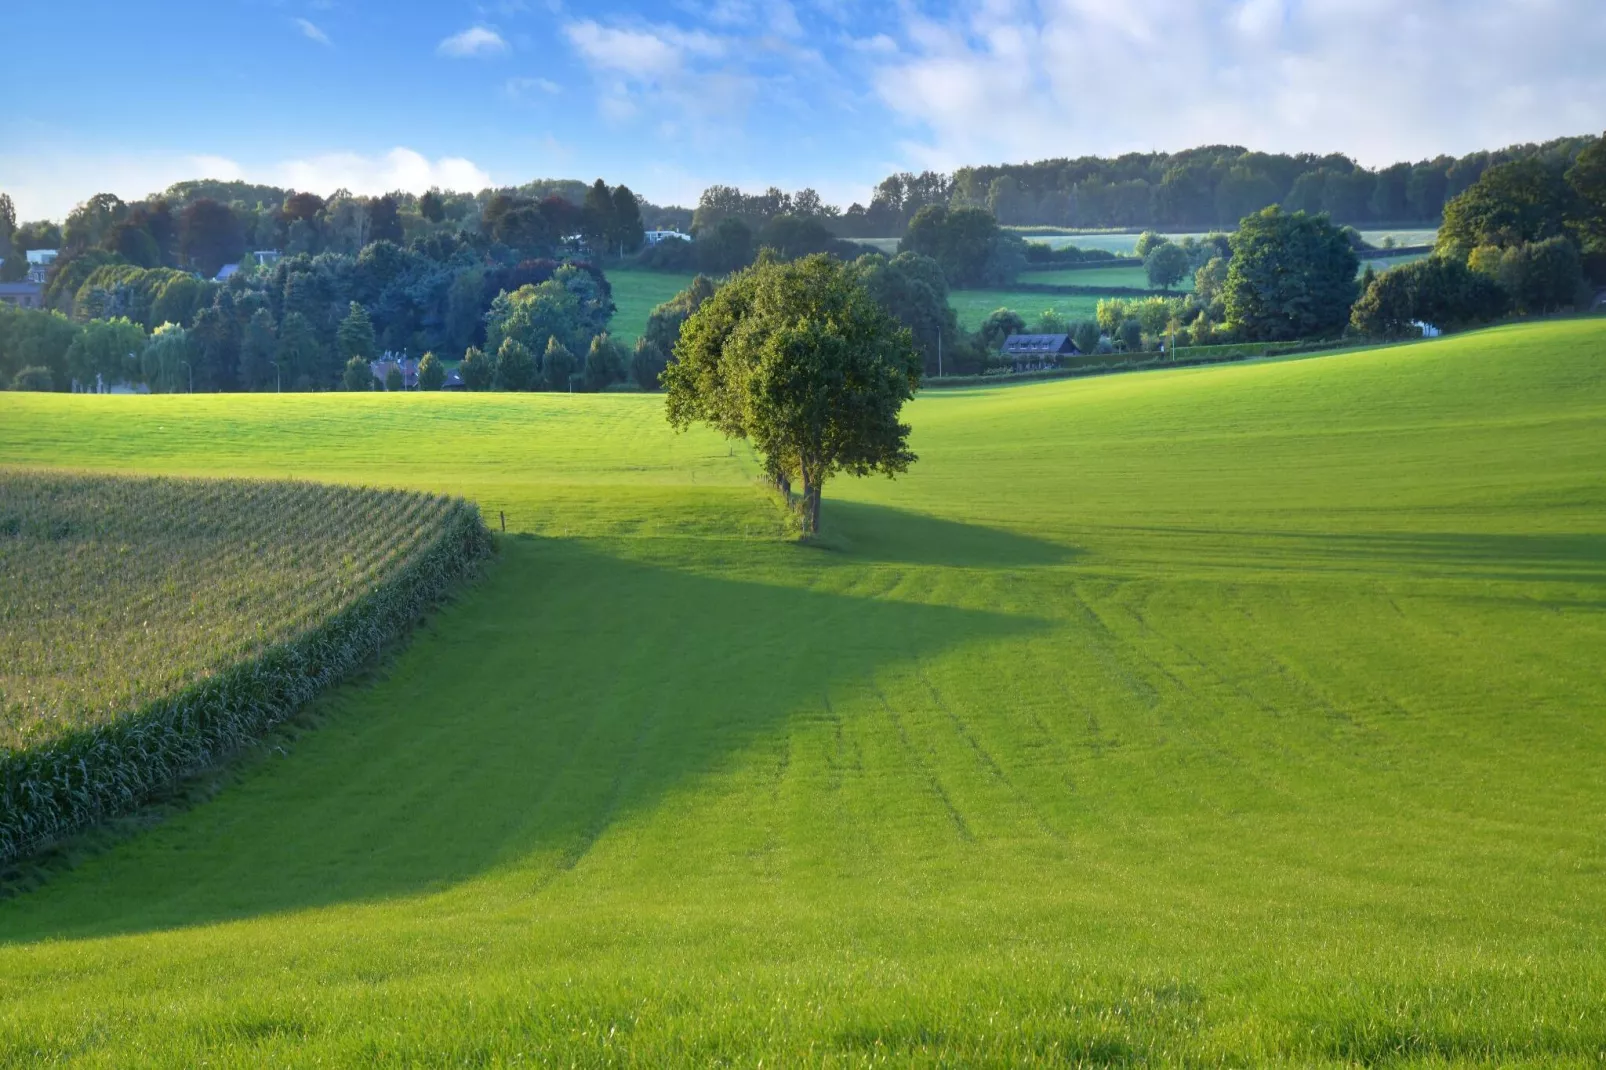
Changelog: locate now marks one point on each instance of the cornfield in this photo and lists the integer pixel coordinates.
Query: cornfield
(150, 626)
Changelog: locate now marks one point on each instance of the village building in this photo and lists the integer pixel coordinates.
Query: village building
(1037, 352)
(23, 294)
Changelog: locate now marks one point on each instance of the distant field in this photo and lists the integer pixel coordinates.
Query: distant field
(1234, 716)
(1127, 277)
(974, 306)
(635, 295)
(1126, 243)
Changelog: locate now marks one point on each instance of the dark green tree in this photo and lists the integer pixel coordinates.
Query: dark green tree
(358, 375)
(1131, 335)
(257, 348)
(1510, 204)
(1438, 291)
(384, 220)
(999, 325)
(558, 366)
(432, 208)
(394, 379)
(968, 243)
(300, 356)
(355, 336)
(724, 247)
(34, 377)
(1166, 265)
(1086, 335)
(1292, 276)
(515, 366)
(477, 370)
(431, 372)
(596, 217)
(914, 291)
(604, 366)
(798, 359)
(210, 236)
(647, 364)
(626, 229)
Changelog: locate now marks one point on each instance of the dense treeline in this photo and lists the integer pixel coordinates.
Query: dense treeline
(133, 296)
(1196, 189)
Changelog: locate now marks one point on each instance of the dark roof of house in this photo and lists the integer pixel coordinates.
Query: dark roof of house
(1023, 345)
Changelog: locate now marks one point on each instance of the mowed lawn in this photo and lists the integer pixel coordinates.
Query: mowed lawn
(1218, 716)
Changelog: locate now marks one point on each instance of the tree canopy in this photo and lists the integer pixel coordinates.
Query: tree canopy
(1292, 276)
(798, 359)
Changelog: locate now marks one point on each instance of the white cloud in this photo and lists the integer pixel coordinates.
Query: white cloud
(473, 42)
(523, 88)
(47, 184)
(642, 54)
(1374, 78)
(311, 32)
(398, 169)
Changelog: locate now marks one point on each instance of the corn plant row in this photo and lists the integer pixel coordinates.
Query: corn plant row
(83, 773)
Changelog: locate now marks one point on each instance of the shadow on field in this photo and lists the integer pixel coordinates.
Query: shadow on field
(568, 690)
(879, 533)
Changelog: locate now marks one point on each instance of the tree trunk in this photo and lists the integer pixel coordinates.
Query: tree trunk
(810, 510)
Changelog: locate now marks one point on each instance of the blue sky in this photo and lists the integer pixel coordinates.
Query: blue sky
(833, 94)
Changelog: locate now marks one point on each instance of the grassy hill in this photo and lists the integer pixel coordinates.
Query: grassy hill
(1215, 716)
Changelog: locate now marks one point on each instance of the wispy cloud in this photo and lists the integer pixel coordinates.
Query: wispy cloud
(476, 41)
(524, 88)
(311, 32)
(1014, 80)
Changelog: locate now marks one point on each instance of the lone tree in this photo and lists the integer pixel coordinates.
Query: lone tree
(800, 361)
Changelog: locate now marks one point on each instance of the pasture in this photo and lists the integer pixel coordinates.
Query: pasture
(1124, 243)
(1214, 716)
(1124, 277)
(635, 294)
(974, 306)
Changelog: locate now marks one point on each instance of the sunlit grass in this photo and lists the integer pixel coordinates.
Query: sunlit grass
(1218, 716)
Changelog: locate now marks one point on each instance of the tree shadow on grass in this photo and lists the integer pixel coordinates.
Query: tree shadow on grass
(567, 690)
(879, 533)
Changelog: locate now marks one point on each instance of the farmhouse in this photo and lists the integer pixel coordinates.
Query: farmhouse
(1034, 352)
(409, 369)
(22, 294)
(653, 237)
(39, 261)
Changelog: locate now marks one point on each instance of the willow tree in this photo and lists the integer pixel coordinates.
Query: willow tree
(801, 362)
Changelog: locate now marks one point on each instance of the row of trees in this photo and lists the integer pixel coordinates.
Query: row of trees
(201, 226)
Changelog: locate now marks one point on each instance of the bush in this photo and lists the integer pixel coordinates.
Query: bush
(647, 364)
(1444, 293)
(671, 254)
(394, 379)
(515, 367)
(431, 373)
(477, 370)
(34, 378)
(357, 376)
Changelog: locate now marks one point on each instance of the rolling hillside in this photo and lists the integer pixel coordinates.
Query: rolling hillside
(1219, 716)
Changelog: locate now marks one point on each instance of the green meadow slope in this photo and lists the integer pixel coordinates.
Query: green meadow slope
(1220, 716)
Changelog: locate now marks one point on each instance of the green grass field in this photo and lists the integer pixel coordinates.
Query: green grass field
(1124, 244)
(1134, 278)
(635, 295)
(1219, 716)
(974, 306)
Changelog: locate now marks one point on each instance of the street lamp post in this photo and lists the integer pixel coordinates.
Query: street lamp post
(278, 377)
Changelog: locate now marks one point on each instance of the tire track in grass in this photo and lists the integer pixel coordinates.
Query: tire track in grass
(925, 769)
(985, 757)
